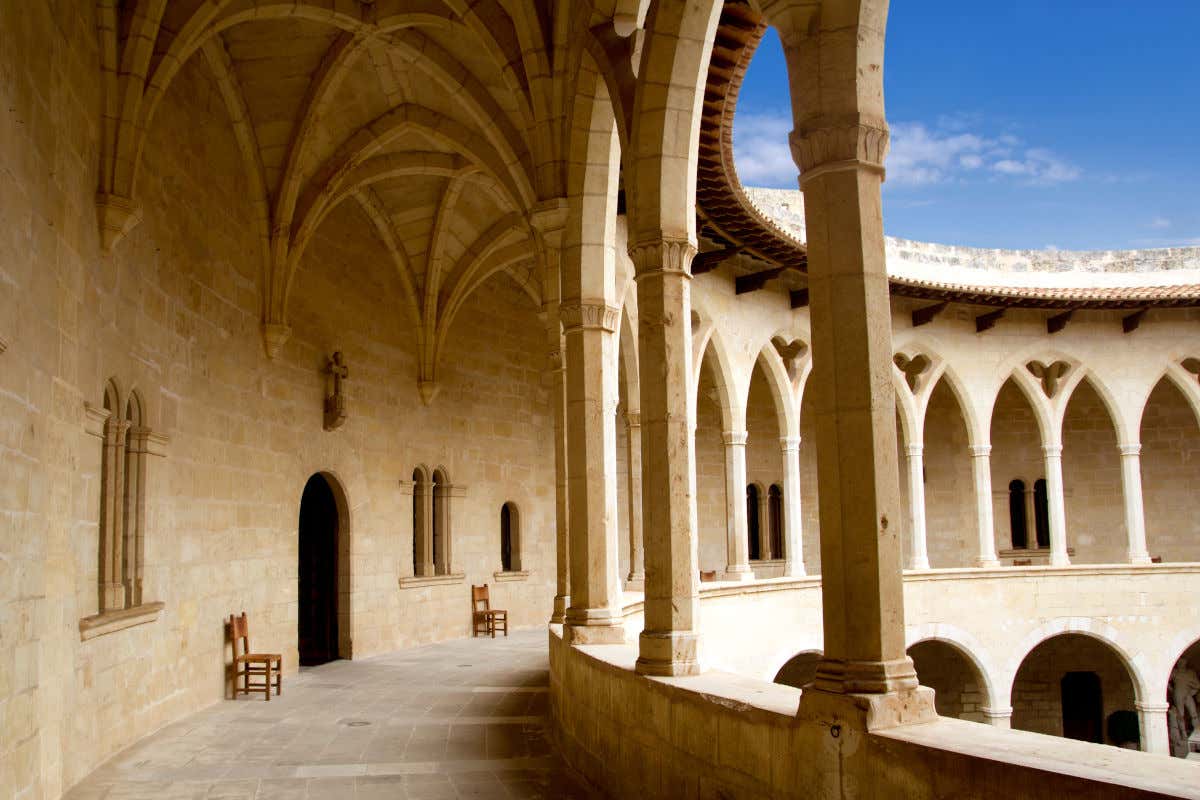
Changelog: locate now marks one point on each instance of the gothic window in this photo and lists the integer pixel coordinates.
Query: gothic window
(422, 546)
(1016, 515)
(1041, 513)
(753, 528)
(441, 532)
(510, 538)
(775, 519)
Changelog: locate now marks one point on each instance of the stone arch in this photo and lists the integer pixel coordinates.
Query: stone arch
(780, 387)
(1185, 382)
(1121, 426)
(510, 537)
(343, 574)
(947, 374)
(717, 357)
(1181, 723)
(1169, 433)
(1039, 693)
(799, 670)
(1092, 482)
(1017, 433)
(941, 664)
(971, 648)
(1136, 663)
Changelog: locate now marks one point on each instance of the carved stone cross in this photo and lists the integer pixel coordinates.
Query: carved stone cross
(335, 403)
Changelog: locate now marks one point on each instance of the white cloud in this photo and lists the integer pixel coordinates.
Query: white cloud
(1159, 223)
(953, 150)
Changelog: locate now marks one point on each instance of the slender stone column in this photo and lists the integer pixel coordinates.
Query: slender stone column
(737, 539)
(112, 516)
(916, 495)
(633, 422)
(998, 717)
(1152, 722)
(1135, 515)
(981, 470)
(594, 616)
(670, 642)
(793, 528)
(1056, 505)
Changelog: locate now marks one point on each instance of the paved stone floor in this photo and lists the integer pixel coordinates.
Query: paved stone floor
(454, 720)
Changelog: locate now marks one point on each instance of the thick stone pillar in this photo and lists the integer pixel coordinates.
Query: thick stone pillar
(737, 538)
(916, 493)
(1152, 724)
(594, 615)
(1135, 515)
(981, 471)
(793, 527)
(633, 425)
(670, 642)
(1056, 504)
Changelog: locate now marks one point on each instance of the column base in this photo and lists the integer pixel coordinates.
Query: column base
(987, 563)
(919, 564)
(863, 712)
(836, 676)
(593, 626)
(671, 654)
(738, 574)
(793, 570)
(561, 603)
(1060, 560)
(1140, 558)
(998, 717)
(1152, 721)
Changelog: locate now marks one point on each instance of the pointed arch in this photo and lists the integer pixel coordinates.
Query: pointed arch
(780, 387)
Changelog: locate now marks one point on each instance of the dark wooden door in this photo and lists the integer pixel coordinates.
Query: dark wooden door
(317, 590)
(1083, 707)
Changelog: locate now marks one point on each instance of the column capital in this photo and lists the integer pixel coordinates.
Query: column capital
(789, 444)
(914, 450)
(549, 216)
(1151, 706)
(633, 419)
(980, 450)
(997, 712)
(672, 256)
(1052, 450)
(1130, 449)
(588, 315)
(735, 438)
(854, 144)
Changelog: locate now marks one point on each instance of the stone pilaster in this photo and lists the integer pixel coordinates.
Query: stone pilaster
(981, 472)
(1152, 722)
(915, 454)
(670, 642)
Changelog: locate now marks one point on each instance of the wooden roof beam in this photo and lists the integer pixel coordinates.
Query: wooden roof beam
(985, 322)
(707, 262)
(798, 298)
(1130, 323)
(926, 315)
(756, 280)
(1059, 322)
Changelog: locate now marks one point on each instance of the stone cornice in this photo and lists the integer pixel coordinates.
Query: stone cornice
(94, 419)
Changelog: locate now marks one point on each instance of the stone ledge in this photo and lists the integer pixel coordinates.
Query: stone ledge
(113, 621)
(511, 575)
(417, 581)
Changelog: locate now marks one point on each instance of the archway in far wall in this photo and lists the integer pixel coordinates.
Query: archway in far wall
(323, 576)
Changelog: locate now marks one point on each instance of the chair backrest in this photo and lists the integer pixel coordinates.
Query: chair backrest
(240, 629)
(479, 598)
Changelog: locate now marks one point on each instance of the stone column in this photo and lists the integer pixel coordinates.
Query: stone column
(998, 717)
(981, 470)
(1152, 722)
(916, 494)
(793, 528)
(1056, 505)
(594, 616)
(633, 423)
(1135, 515)
(737, 539)
(112, 516)
(670, 642)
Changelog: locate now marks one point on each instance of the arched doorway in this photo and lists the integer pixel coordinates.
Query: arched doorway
(319, 590)
(958, 685)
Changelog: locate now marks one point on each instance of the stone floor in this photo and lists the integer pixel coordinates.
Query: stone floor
(454, 720)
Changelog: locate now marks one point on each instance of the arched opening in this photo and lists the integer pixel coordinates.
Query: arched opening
(800, 670)
(809, 496)
(753, 521)
(711, 512)
(1018, 521)
(323, 575)
(1092, 480)
(441, 520)
(1072, 685)
(950, 523)
(1017, 459)
(775, 520)
(1170, 458)
(1183, 703)
(510, 538)
(422, 555)
(960, 691)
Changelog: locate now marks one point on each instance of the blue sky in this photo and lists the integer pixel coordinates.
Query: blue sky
(1024, 124)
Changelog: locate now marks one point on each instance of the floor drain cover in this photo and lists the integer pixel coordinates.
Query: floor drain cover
(356, 723)
(466, 665)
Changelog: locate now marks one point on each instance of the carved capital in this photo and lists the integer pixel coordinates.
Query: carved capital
(3, 345)
(428, 390)
(94, 418)
(549, 217)
(1130, 449)
(853, 146)
(789, 444)
(735, 438)
(980, 450)
(117, 217)
(275, 335)
(633, 419)
(663, 255)
(914, 450)
(588, 315)
(1052, 450)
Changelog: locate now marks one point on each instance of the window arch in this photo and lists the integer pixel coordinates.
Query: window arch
(1018, 519)
(753, 523)
(1041, 513)
(775, 520)
(510, 538)
(440, 537)
(421, 513)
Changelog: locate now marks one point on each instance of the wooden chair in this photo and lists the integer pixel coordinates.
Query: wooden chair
(484, 618)
(268, 666)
